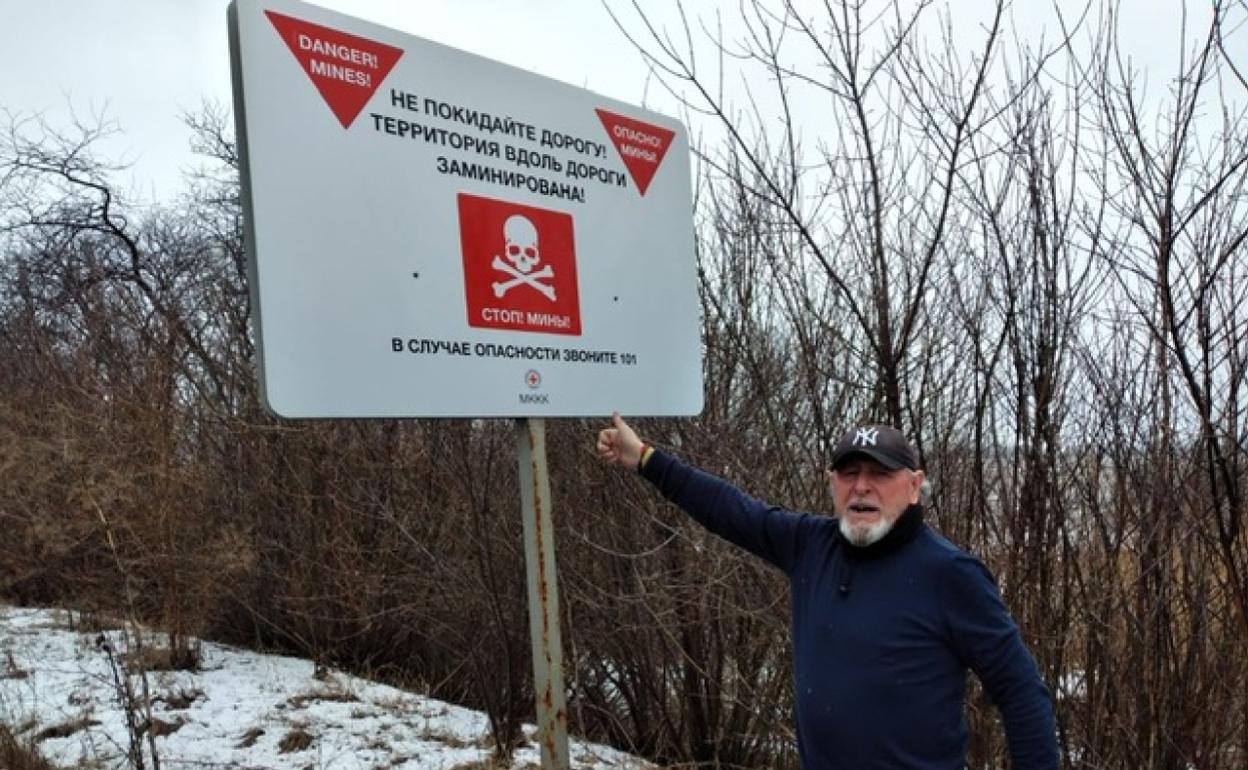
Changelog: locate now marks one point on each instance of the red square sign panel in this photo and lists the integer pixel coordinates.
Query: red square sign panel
(519, 266)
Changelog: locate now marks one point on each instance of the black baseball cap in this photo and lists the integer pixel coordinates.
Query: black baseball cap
(887, 446)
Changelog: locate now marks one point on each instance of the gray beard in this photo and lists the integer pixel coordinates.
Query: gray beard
(864, 535)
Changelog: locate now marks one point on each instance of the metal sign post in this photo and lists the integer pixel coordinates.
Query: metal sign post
(539, 553)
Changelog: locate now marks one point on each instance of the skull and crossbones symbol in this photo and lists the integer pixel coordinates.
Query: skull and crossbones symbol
(521, 255)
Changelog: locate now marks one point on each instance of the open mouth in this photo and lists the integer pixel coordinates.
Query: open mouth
(863, 509)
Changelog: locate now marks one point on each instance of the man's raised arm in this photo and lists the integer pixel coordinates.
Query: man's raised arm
(766, 531)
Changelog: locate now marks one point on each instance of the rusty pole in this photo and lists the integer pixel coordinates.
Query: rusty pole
(539, 557)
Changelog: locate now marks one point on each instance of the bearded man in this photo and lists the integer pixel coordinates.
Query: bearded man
(887, 615)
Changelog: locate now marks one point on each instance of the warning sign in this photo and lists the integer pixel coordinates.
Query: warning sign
(519, 266)
(454, 237)
(345, 68)
(641, 145)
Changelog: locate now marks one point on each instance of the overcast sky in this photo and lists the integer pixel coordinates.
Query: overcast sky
(141, 63)
(144, 62)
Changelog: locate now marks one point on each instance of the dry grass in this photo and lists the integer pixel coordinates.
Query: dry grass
(154, 658)
(16, 754)
(65, 729)
(91, 621)
(491, 763)
(451, 740)
(11, 669)
(297, 739)
(182, 699)
(322, 696)
(160, 727)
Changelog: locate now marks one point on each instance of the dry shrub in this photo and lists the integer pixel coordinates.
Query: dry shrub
(1076, 387)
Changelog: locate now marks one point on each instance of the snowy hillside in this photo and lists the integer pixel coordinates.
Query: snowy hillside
(240, 710)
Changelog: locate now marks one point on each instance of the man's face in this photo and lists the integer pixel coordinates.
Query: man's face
(869, 497)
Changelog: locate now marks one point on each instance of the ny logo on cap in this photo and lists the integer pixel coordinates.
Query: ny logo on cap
(866, 436)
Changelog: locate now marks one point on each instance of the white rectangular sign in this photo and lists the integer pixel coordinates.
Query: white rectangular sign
(434, 234)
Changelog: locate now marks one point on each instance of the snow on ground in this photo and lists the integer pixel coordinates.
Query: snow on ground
(240, 710)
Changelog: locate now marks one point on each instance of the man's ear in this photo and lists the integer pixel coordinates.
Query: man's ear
(916, 486)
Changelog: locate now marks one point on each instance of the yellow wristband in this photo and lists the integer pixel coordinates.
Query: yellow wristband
(646, 451)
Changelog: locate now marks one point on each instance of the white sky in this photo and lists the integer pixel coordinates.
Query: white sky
(142, 63)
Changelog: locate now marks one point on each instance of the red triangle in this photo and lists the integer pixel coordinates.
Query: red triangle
(345, 68)
(641, 145)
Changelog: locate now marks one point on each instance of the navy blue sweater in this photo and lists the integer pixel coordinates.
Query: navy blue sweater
(882, 635)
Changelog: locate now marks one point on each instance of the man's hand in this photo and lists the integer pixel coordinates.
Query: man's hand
(619, 443)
